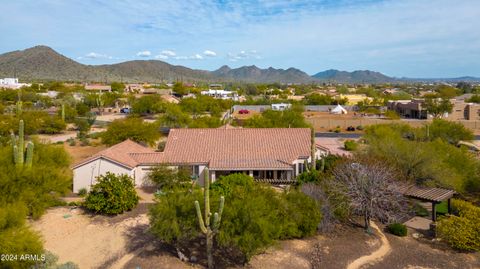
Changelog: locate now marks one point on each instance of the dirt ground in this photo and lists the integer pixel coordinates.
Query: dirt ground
(79, 153)
(124, 242)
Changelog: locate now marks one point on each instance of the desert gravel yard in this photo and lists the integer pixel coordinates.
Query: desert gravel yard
(123, 242)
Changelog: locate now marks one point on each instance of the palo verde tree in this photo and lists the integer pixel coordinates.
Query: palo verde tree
(438, 107)
(209, 229)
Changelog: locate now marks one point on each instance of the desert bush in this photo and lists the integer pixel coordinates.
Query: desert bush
(16, 237)
(130, 128)
(71, 142)
(112, 194)
(82, 192)
(167, 179)
(461, 232)
(255, 215)
(397, 229)
(392, 115)
(350, 145)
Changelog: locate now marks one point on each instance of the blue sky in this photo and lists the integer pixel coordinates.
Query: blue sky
(413, 38)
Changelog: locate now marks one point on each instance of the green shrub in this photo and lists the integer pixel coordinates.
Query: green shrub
(392, 115)
(71, 142)
(397, 229)
(360, 127)
(82, 192)
(255, 215)
(112, 194)
(461, 232)
(350, 145)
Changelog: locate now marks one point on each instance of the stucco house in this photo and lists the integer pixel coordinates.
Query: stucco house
(270, 153)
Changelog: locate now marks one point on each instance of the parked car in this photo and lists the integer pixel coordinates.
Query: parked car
(125, 110)
(350, 128)
(243, 111)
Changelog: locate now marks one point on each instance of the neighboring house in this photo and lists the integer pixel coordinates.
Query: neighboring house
(263, 153)
(353, 99)
(116, 159)
(464, 111)
(221, 94)
(408, 108)
(12, 83)
(280, 106)
(415, 109)
(98, 87)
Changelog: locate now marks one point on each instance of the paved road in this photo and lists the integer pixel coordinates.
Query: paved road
(355, 135)
(338, 135)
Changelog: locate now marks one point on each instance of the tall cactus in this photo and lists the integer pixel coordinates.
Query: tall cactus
(314, 149)
(18, 145)
(205, 227)
(63, 112)
(21, 143)
(19, 108)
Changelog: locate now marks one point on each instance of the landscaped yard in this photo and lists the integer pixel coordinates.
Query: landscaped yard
(123, 242)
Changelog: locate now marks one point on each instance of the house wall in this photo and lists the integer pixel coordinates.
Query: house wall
(84, 176)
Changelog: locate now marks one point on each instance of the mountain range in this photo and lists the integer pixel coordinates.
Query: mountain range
(42, 63)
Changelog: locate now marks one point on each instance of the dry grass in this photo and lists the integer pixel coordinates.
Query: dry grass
(78, 153)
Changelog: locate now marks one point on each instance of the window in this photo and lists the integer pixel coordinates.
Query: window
(301, 167)
(196, 170)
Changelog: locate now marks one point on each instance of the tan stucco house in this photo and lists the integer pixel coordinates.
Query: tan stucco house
(273, 153)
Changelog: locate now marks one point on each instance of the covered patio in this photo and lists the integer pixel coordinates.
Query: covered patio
(430, 195)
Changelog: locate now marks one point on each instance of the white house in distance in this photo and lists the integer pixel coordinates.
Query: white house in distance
(280, 106)
(270, 153)
(12, 83)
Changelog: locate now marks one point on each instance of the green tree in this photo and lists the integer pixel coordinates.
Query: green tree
(174, 117)
(112, 194)
(150, 104)
(179, 88)
(448, 131)
(117, 86)
(290, 118)
(437, 107)
(130, 128)
(318, 99)
(167, 179)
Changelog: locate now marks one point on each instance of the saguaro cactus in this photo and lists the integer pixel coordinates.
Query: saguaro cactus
(63, 112)
(314, 149)
(19, 108)
(205, 227)
(19, 147)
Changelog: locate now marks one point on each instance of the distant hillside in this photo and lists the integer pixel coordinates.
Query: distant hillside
(359, 76)
(43, 63)
(255, 74)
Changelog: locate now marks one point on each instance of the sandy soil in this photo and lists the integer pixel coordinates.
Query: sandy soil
(123, 242)
(382, 251)
(83, 239)
(79, 153)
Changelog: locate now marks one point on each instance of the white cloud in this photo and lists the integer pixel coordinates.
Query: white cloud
(94, 55)
(145, 53)
(251, 54)
(193, 57)
(168, 53)
(210, 53)
(161, 57)
(197, 57)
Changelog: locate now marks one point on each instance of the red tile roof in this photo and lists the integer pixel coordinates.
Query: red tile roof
(238, 148)
(220, 149)
(120, 153)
